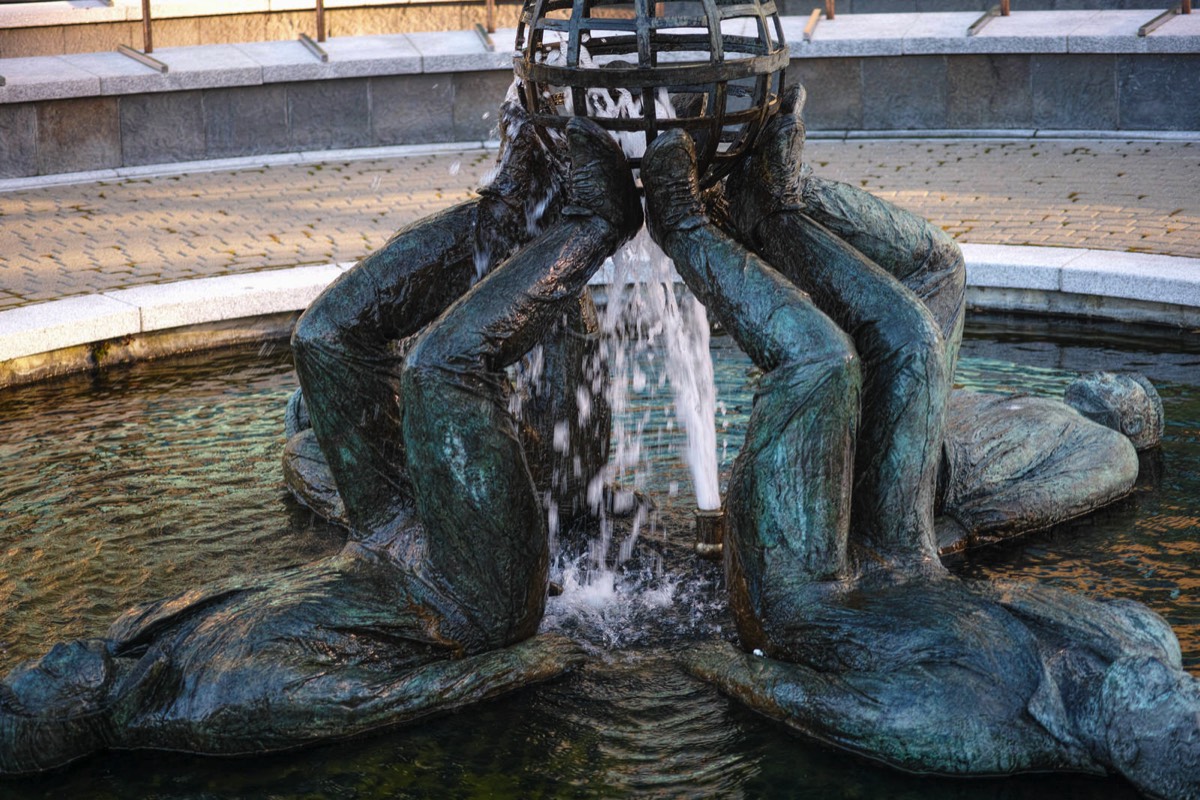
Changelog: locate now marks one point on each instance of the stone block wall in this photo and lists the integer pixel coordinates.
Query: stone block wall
(1038, 91)
(1041, 72)
(95, 133)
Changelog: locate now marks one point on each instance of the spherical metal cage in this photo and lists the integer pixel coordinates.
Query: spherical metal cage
(712, 67)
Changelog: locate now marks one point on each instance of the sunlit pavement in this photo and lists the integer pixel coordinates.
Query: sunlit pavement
(66, 240)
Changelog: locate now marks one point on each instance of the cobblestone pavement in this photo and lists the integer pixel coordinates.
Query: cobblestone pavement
(68, 240)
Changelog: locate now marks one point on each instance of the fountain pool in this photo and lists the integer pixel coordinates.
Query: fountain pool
(139, 483)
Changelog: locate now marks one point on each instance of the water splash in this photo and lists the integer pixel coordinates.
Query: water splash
(638, 604)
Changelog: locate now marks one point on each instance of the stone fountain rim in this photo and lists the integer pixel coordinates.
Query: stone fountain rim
(81, 333)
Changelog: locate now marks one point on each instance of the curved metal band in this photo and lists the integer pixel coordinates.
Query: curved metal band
(665, 75)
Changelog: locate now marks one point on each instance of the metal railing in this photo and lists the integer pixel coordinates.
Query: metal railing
(1182, 7)
(1003, 9)
(144, 55)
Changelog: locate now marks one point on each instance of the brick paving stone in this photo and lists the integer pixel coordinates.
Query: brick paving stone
(65, 240)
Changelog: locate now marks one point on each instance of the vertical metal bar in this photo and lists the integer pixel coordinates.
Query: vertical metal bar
(1185, 7)
(320, 20)
(491, 15)
(147, 37)
(1004, 9)
(829, 9)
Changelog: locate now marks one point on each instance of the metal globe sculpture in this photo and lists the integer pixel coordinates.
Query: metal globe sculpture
(712, 67)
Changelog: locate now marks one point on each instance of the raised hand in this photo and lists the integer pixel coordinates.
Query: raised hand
(771, 179)
(600, 182)
(526, 193)
(672, 183)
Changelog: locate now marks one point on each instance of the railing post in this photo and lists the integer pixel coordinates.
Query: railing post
(829, 9)
(1004, 9)
(147, 36)
(320, 20)
(490, 5)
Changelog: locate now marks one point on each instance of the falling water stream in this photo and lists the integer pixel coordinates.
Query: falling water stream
(645, 318)
(677, 326)
(655, 346)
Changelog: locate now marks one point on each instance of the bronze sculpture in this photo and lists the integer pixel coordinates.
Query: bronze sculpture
(851, 631)
(435, 600)
(855, 634)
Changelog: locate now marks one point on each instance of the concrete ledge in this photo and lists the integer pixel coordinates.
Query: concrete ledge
(126, 349)
(250, 64)
(848, 35)
(73, 321)
(242, 162)
(1098, 284)
(463, 51)
(1094, 307)
(1103, 273)
(1007, 267)
(1123, 287)
(249, 294)
(64, 323)
(45, 78)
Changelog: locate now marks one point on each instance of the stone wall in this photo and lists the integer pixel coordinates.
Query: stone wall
(1026, 92)
(93, 133)
(1067, 71)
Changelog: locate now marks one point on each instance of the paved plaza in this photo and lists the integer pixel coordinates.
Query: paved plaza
(61, 241)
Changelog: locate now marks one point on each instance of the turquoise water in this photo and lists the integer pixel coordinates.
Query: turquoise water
(145, 481)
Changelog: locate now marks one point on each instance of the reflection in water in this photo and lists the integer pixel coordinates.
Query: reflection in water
(142, 482)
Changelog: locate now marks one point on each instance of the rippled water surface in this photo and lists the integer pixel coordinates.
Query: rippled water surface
(142, 482)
